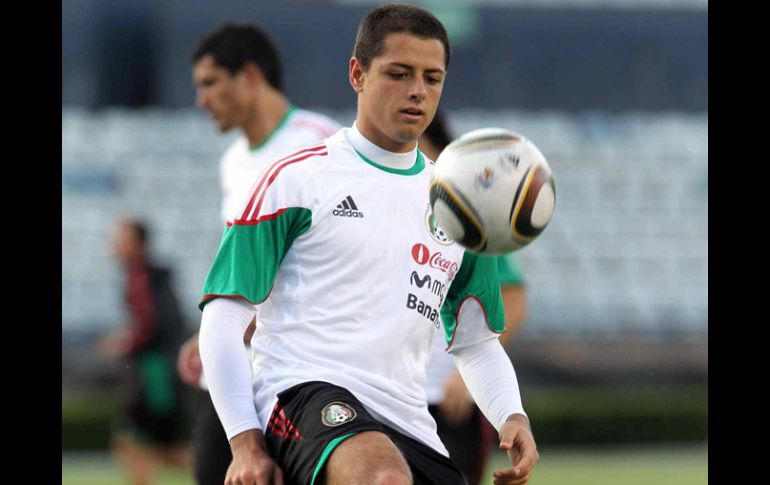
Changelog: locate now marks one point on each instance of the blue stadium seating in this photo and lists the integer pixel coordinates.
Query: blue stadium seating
(626, 251)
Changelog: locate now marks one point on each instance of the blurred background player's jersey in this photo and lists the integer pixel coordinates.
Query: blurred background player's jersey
(242, 164)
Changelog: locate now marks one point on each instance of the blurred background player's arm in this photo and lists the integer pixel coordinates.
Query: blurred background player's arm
(514, 292)
(457, 404)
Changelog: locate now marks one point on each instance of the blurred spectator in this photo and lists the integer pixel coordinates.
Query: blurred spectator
(462, 427)
(239, 83)
(149, 431)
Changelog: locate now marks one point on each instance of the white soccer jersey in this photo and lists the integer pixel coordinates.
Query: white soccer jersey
(356, 271)
(241, 164)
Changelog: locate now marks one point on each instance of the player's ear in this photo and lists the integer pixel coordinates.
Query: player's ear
(356, 75)
(252, 73)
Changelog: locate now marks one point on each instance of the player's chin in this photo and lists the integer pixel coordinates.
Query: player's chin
(410, 132)
(224, 127)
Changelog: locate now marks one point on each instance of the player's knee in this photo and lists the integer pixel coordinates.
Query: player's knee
(392, 477)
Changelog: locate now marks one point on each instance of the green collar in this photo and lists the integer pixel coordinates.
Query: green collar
(419, 164)
(280, 124)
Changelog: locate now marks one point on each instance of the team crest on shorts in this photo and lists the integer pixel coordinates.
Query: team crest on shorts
(438, 234)
(337, 413)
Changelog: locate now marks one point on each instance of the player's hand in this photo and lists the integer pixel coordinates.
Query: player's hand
(251, 464)
(517, 441)
(188, 362)
(457, 405)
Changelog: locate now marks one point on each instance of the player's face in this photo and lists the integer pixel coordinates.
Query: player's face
(126, 246)
(225, 97)
(399, 93)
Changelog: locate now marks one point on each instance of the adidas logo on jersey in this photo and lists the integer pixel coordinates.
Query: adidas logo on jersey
(347, 208)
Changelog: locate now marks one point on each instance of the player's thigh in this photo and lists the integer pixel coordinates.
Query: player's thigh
(368, 457)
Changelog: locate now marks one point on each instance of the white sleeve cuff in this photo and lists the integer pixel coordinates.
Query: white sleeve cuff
(227, 363)
(488, 373)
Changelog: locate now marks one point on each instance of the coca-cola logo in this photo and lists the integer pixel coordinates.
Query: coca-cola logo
(421, 255)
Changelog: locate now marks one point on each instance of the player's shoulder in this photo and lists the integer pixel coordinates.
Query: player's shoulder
(299, 163)
(238, 148)
(324, 126)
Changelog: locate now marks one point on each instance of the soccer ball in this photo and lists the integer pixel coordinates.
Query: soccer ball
(492, 191)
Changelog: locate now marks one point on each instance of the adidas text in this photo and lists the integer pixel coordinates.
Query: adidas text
(347, 213)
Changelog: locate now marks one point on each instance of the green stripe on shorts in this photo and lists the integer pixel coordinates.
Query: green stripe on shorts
(328, 451)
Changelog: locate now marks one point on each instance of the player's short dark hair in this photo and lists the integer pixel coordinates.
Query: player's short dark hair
(140, 229)
(233, 45)
(393, 18)
(438, 132)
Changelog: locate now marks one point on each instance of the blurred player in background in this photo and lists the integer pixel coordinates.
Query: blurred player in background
(238, 77)
(462, 427)
(150, 432)
(331, 234)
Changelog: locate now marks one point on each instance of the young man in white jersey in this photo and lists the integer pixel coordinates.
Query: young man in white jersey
(461, 426)
(327, 241)
(238, 78)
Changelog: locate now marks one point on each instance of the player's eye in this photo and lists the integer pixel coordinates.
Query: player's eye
(398, 75)
(433, 80)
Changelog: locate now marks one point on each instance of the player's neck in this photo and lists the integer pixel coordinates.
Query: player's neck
(374, 152)
(268, 113)
(379, 138)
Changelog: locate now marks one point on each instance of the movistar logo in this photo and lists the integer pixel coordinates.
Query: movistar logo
(347, 208)
(436, 286)
(420, 282)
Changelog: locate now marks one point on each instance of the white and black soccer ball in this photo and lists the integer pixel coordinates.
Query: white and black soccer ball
(492, 191)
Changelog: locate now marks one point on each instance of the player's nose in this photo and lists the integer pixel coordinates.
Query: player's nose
(417, 89)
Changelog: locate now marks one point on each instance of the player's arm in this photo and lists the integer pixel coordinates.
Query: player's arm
(473, 319)
(491, 380)
(228, 372)
(188, 361)
(457, 405)
(242, 275)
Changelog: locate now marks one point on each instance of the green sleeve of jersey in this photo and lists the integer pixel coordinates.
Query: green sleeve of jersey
(249, 256)
(510, 272)
(478, 278)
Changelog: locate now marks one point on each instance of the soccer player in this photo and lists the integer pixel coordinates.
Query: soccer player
(461, 426)
(239, 80)
(149, 431)
(335, 240)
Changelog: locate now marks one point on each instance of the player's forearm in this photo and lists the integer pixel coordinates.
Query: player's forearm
(491, 380)
(250, 441)
(227, 367)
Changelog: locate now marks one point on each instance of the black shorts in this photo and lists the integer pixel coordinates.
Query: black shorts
(311, 419)
(211, 449)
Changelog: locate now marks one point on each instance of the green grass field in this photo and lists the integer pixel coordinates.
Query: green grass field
(623, 466)
(680, 465)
